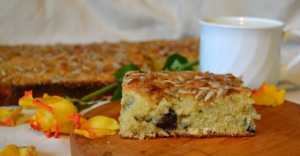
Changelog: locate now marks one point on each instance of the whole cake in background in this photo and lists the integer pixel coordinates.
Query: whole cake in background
(185, 104)
(75, 70)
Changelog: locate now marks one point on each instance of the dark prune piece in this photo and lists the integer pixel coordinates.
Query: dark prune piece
(251, 129)
(168, 121)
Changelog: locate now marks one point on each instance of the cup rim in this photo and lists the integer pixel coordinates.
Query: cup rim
(271, 22)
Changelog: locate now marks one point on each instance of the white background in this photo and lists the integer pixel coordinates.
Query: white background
(81, 21)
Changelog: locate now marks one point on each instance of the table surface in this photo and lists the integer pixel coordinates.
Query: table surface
(277, 134)
(23, 135)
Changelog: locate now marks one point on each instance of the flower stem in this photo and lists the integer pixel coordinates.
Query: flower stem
(100, 91)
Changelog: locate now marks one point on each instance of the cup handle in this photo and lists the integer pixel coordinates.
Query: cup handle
(287, 34)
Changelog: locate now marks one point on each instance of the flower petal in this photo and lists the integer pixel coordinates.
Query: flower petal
(52, 115)
(96, 127)
(77, 119)
(62, 109)
(27, 101)
(13, 150)
(100, 122)
(42, 121)
(8, 117)
(268, 95)
(34, 124)
(46, 95)
(94, 133)
(39, 104)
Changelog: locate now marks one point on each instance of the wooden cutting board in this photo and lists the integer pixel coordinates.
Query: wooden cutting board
(278, 133)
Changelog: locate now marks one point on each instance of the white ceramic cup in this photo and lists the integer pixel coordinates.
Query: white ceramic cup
(242, 46)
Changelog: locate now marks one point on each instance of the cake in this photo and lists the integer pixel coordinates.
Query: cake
(185, 104)
(78, 69)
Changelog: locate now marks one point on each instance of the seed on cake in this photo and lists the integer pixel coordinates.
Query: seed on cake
(194, 92)
(116, 65)
(3, 73)
(144, 90)
(183, 91)
(227, 79)
(236, 88)
(189, 72)
(130, 72)
(29, 75)
(6, 79)
(173, 82)
(225, 86)
(14, 82)
(209, 95)
(178, 85)
(127, 80)
(137, 74)
(162, 74)
(180, 78)
(168, 91)
(142, 77)
(200, 94)
(203, 88)
(190, 81)
(214, 84)
(199, 77)
(173, 89)
(20, 69)
(221, 92)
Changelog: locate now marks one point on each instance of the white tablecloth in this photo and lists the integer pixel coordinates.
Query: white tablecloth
(23, 135)
(85, 21)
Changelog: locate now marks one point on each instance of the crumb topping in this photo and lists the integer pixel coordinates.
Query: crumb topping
(203, 86)
(62, 63)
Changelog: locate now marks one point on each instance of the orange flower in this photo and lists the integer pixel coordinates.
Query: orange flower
(268, 95)
(8, 117)
(51, 115)
(13, 150)
(27, 101)
(96, 127)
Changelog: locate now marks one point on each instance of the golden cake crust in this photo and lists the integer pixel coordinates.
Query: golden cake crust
(202, 86)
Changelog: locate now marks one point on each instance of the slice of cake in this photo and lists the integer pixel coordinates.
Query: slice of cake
(185, 104)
